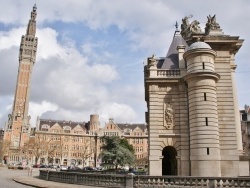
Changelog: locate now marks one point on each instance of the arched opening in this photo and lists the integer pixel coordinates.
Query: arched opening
(169, 162)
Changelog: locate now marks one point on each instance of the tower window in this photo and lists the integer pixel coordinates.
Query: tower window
(205, 96)
(207, 151)
(203, 65)
(206, 121)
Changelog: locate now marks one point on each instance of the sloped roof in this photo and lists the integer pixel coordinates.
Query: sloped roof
(110, 123)
(171, 59)
(123, 126)
(71, 124)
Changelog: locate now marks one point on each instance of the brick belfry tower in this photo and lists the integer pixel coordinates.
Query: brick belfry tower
(193, 116)
(18, 126)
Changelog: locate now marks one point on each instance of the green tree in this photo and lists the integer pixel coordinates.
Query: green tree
(116, 152)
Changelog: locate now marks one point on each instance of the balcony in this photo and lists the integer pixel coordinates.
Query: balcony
(169, 73)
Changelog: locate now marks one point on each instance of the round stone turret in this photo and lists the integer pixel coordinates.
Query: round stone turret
(94, 122)
(203, 116)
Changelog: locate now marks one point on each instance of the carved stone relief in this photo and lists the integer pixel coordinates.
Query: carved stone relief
(168, 116)
(153, 88)
(166, 88)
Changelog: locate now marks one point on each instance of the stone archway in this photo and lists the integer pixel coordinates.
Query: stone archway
(169, 161)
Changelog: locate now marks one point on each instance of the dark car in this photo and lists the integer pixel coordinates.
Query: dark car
(74, 169)
(88, 168)
(43, 166)
(36, 166)
(53, 166)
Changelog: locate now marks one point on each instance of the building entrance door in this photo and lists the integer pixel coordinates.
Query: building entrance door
(169, 162)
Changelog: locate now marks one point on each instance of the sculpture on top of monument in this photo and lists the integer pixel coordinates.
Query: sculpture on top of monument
(188, 28)
(211, 24)
(152, 61)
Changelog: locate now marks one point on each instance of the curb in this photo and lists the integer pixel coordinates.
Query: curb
(29, 184)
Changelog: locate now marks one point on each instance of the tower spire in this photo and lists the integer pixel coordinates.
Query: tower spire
(31, 28)
(176, 26)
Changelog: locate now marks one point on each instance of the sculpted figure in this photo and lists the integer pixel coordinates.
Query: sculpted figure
(211, 24)
(187, 29)
(152, 61)
(185, 24)
(194, 27)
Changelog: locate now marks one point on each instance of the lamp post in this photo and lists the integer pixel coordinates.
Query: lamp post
(95, 152)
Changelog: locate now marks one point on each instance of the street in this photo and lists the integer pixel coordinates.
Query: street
(6, 176)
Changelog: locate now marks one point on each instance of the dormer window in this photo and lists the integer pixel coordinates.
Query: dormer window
(45, 127)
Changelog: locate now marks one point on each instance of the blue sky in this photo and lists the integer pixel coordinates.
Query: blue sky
(91, 53)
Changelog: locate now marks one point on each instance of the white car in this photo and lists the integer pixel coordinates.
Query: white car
(63, 168)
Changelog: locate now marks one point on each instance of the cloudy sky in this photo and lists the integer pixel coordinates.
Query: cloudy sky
(91, 52)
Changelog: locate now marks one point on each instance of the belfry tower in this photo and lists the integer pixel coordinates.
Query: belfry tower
(18, 126)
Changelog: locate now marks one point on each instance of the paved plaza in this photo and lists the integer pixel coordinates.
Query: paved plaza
(10, 178)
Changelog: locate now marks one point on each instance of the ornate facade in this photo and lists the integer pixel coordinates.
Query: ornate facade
(78, 143)
(193, 119)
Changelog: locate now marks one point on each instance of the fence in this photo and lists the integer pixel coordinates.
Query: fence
(143, 181)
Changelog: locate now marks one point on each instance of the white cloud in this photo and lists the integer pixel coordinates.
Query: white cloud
(48, 45)
(38, 109)
(82, 79)
(121, 113)
(11, 38)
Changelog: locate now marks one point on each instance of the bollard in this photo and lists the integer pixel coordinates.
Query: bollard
(47, 175)
(129, 180)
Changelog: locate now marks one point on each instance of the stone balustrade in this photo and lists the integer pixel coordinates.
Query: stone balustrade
(92, 179)
(143, 181)
(177, 181)
(168, 72)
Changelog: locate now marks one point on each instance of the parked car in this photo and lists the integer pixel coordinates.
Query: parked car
(43, 166)
(36, 165)
(53, 166)
(140, 169)
(99, 168)
(88, 168)
(63, 168)
(74, 169)
(17, 164)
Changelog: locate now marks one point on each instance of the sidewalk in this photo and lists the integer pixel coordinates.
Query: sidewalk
(39, 183)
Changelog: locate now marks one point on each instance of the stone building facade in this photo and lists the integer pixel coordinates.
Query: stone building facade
(78, 143)
(192, 117)
(69, 142)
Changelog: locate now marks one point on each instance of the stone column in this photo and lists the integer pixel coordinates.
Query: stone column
(236, 111)
(181, 50)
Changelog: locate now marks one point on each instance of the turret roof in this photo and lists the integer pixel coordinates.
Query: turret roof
(199, 45)
(171, 60)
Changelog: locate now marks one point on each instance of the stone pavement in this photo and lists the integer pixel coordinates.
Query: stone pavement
(21, 176)
(34, 181)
